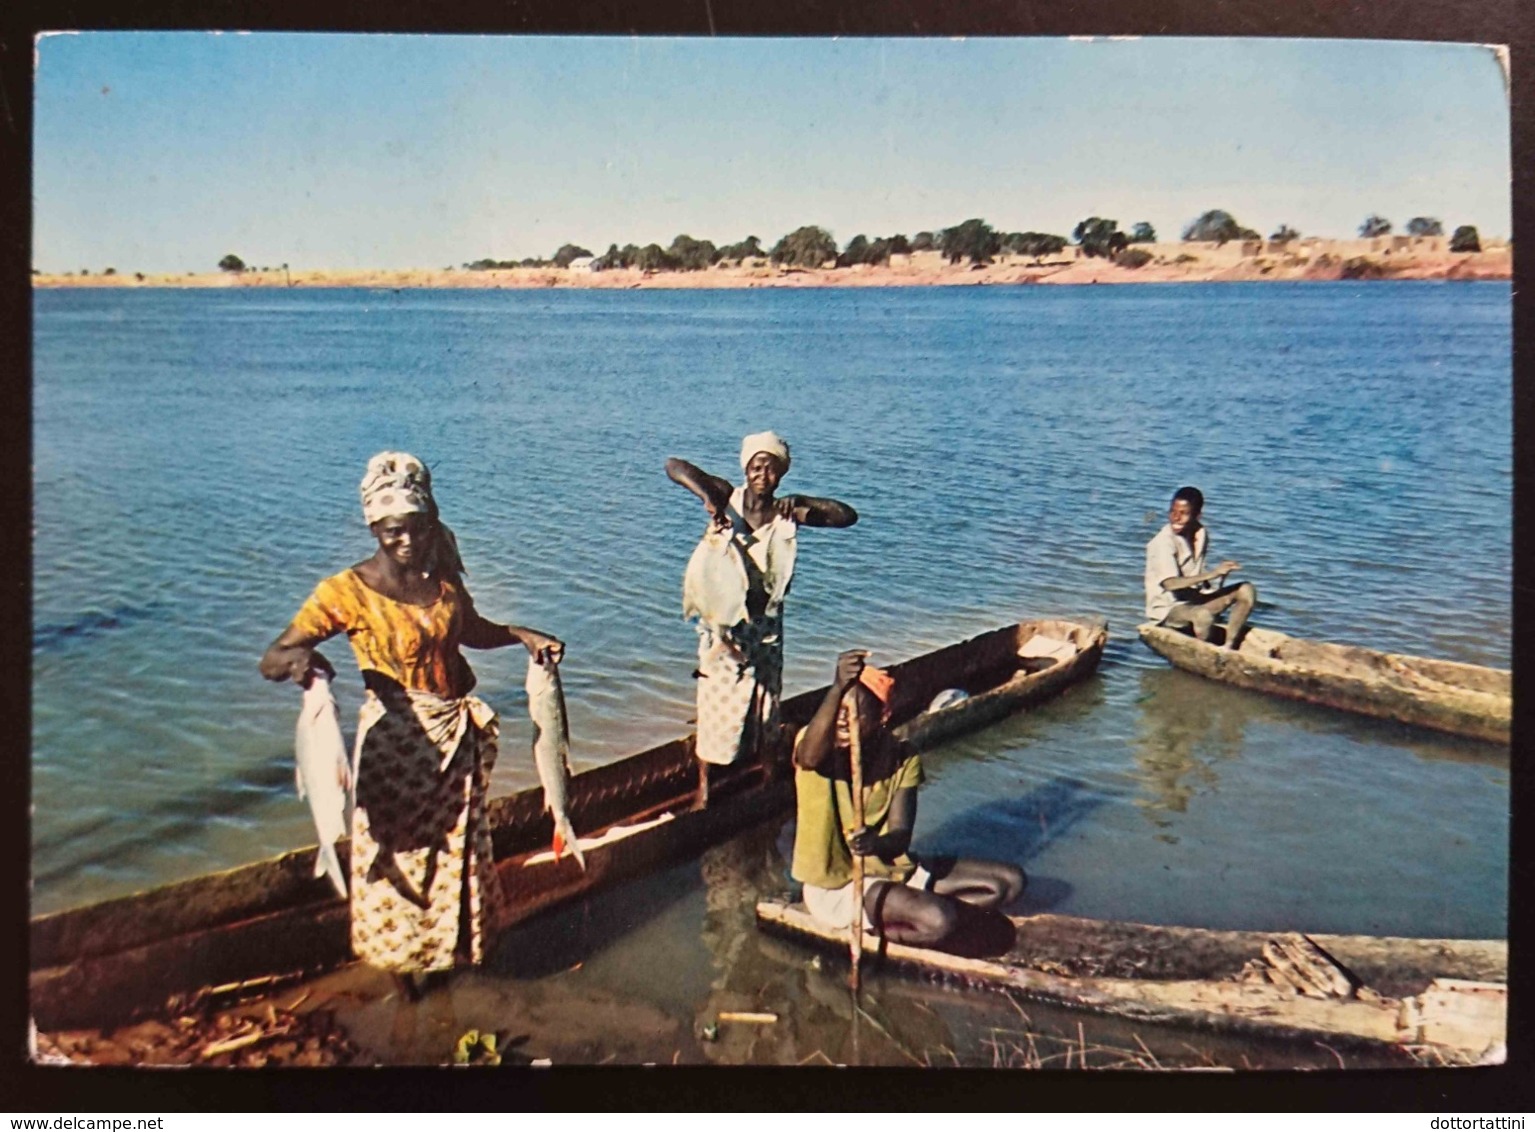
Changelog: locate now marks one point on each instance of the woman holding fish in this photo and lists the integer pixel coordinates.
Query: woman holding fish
(424, 891)
(735, 585)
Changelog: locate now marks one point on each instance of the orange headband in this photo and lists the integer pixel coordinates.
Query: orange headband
(881, 683)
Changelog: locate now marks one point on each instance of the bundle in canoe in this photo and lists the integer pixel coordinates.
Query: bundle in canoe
(1462, 699)
(1446, 994)
(109, 961)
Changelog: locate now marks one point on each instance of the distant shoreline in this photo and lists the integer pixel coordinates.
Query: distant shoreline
(1169, 263)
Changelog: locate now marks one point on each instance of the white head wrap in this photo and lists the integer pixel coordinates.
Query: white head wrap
(769, 442)
(396, 483)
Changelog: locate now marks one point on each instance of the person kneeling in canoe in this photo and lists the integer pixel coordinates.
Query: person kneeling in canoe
(903, 899)
(1180, 592)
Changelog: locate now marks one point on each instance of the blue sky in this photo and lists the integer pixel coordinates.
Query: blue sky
(163, 151)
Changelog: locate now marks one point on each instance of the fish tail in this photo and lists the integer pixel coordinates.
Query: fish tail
(565, 837)
(326, 863)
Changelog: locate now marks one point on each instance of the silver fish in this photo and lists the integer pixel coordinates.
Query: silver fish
(714, 584)
(322, 768)
(551, 751)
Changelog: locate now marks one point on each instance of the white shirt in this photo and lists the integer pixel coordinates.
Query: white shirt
(1170, 556)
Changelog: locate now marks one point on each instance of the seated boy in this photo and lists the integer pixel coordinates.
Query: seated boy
(902, 899)
(1180, 592)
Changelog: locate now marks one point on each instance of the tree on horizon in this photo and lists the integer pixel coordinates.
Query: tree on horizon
(1466, 239)
(1219, 227)
(232, 263)
(1034, 244)
(974, 239)
(690, 254)
(1283, 234)
(1374, 226)
(808, 246)
(749, 248)
(1143, 233)
(857, 251)
(568, 253)
(1099, 237)
(653, 257)
(1424, 226)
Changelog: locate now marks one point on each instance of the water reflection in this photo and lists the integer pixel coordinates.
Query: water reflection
(751, 972)
(1183, 732)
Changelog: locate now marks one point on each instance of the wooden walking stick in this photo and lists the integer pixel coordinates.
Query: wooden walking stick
(855, 757)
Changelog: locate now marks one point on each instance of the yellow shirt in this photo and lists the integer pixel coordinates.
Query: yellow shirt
(821, 853)
(414, 645)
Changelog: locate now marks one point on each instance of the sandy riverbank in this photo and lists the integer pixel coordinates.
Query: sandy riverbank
(1494, 263)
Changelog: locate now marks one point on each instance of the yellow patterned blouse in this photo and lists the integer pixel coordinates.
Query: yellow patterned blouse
(414, 645)
(824, 819)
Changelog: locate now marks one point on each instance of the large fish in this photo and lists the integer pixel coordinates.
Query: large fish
(322, 768)
(715, 583)
(551, 750)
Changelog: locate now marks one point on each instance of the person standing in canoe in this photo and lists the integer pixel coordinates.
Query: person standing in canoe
(735, 585)
(1180, 592)
(906, 900)
(424, 892)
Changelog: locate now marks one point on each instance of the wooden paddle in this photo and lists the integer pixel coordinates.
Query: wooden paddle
(855, 757)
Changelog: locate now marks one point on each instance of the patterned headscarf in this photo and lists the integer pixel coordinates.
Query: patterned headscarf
(769, 442)
(396, 483)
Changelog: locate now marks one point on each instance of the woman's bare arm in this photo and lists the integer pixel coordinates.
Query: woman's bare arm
(292, 655)
(480, 633)
(714, 491)
(810, 511)
(815, 748)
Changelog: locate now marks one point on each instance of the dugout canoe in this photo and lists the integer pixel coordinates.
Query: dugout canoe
(1461, 699)
(1443, 995)
(136, 954)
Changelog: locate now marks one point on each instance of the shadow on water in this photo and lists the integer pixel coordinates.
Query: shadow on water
(1016, 830)
(93, 623)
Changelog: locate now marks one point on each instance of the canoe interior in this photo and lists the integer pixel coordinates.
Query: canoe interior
(276, 914)
(1461, 699)
(1367, 664)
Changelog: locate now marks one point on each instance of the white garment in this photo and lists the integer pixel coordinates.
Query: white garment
(740, 656)
(730, 564)
(833, 907)
(1170, 556)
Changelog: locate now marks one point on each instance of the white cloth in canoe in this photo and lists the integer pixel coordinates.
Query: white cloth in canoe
(1041, 646)
(735, 585)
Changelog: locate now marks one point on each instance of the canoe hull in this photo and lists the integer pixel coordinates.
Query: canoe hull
(109, 961)
(1459, 699)
(1445, 993)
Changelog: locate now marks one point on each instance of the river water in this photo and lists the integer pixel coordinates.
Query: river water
(1009, 450)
